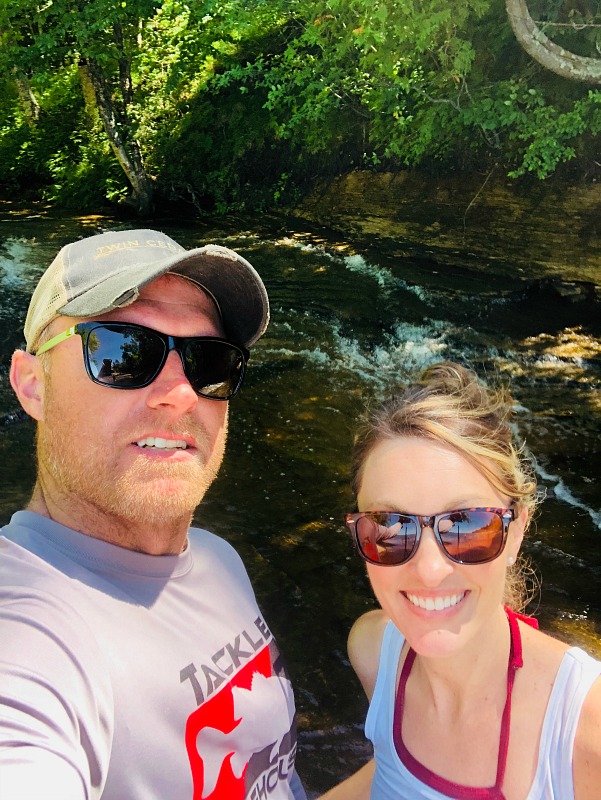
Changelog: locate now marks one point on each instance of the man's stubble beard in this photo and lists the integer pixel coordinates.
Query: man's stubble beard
(162, 495)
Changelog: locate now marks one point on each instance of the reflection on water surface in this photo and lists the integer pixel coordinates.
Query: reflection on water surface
(348, 321)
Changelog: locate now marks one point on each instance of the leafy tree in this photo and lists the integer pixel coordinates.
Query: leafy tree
(102, 37)
(231, 104)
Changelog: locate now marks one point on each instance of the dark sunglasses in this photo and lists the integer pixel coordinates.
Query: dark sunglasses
(466, 536)
(124, 355)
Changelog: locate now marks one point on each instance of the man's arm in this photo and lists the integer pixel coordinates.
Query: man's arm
(33, 772)
(55, 728)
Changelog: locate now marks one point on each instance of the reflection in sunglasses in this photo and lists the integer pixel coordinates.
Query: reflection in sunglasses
(470, 536)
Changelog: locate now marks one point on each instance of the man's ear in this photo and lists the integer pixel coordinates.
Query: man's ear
(27, 380)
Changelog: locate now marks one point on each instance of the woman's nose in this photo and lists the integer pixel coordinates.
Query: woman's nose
(429, 562)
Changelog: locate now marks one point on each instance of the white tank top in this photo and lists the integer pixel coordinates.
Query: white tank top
(553, 779)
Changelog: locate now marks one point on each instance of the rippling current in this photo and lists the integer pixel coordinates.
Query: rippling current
(348, 321)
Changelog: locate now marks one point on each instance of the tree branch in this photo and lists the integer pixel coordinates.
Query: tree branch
(547, 53)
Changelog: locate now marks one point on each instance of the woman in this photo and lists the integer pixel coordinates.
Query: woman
(467, 698)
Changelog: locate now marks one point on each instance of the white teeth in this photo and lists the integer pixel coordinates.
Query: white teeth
(162, 444)
(435, 603)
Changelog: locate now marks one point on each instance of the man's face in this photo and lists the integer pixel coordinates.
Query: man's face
(89, 459)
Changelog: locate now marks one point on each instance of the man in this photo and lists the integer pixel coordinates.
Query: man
(134, 662)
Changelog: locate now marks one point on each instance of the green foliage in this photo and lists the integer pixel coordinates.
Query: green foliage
(60, 158)
(241, 105)
(534, 134)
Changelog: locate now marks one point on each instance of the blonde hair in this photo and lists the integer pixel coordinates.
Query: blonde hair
(448, 404)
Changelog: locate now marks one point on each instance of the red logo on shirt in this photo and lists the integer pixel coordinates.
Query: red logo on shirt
(240, 742)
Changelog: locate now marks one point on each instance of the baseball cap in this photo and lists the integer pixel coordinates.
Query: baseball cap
(107, 271)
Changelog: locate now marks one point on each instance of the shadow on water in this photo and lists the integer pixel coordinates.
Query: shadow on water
(348, 320)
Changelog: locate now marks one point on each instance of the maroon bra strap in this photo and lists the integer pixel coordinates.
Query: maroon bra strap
(436, 781)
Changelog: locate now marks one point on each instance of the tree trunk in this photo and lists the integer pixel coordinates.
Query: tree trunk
(127, 152)
(29, 103)
(125, 81)
(89, 94)
(550, 55)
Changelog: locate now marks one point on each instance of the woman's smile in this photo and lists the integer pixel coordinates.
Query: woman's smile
(435, 603)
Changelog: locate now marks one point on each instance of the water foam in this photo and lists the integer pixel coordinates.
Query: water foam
(563, 493)
(358, 264)
(383, 277)
(407, 350)
(306, 247)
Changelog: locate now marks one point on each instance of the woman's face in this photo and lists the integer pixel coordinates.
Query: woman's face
(419, 476)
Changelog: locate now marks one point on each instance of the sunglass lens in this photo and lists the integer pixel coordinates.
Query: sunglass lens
(386, 538)
(124, 357)
(214, 368)
(471, 537)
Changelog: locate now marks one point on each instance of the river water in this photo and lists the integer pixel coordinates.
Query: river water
(348, 320)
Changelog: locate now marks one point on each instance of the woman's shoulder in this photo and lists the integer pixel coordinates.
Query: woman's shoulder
(545, 661)
(364, 645)
(368, 629)
(542, 650)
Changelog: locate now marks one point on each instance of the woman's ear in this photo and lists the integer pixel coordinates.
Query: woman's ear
(27, 379)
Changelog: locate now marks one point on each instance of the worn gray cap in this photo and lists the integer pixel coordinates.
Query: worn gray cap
(100, 273)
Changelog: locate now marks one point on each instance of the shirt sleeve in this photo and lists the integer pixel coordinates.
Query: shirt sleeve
(55, 703)
(28, 772)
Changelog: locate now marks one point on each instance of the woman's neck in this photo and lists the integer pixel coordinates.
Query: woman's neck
(462, 679)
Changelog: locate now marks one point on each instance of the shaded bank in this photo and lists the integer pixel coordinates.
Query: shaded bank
(534, 229)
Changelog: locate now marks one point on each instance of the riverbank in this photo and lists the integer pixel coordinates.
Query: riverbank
(539, 228)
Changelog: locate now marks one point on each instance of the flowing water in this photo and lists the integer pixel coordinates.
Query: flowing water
(348, 320)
